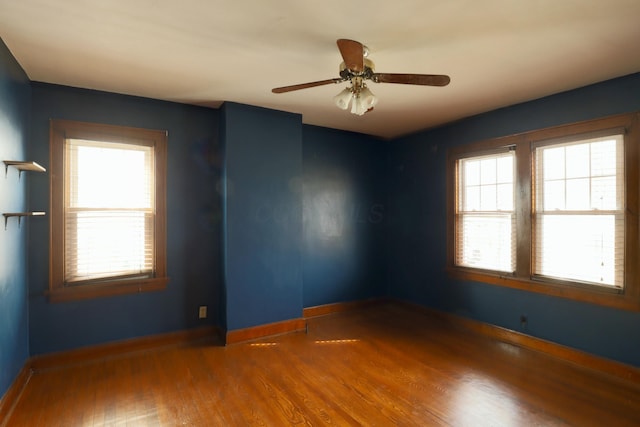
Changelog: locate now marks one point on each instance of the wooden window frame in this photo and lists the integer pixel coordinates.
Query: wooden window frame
(60, 130)
(629, 297)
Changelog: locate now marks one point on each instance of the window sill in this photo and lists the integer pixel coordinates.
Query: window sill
(101, 290)
(594, 296)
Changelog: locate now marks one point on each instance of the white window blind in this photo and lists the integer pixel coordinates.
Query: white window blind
(108, 210)
(579, 211)
(485, 214)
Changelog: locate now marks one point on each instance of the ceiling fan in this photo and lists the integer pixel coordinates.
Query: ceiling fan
(356, 69)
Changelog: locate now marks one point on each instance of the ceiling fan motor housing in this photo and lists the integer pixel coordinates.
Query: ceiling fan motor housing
(367, 73)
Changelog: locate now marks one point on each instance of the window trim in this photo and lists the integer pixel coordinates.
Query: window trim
(629, 297)
(67, 129)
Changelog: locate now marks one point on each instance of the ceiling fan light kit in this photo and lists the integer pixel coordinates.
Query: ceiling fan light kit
(356, 68)
(343, 99)
(360, 97)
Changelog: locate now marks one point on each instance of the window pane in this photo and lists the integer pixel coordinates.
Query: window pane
(505, 169)
(553, 196)
(579, 247)
(505, 197)
(94, 183)
(472, 172)
(577, 161)
(553, 163)
(488, 198)
(488, 171)
(487, 242)
(471, 199)
(104, 244)
(603, 193)
(594, 177)
(578, 197)
(603, 158)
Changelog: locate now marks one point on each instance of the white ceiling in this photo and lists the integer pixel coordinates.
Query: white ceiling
(203, 52)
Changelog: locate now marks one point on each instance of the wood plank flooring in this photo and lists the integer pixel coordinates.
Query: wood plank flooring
(379, 366)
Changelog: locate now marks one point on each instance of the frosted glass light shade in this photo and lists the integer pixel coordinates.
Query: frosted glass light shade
(343, 98)
(357, 106)
(367, 98)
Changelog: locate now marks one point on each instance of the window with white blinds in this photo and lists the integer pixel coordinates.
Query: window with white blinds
(553, 211)
(109, 210)
(485, 213)
(579, 223)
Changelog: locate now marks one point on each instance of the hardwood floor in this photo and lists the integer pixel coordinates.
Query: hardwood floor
(382, 366)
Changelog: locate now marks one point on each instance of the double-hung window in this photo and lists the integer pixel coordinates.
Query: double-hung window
(552, 211)
(107, 210)
(485, 217)
(579, 211)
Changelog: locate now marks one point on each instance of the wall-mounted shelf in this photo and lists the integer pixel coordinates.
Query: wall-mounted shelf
(19, 215)
(22, 166)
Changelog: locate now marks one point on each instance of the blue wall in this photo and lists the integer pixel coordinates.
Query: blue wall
(308, 216)
(417, 220)
(344, 194)
(262, 215)
(193, 215)
(14, 114)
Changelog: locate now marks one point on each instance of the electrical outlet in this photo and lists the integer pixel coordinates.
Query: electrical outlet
(523, 321)
(202, 312)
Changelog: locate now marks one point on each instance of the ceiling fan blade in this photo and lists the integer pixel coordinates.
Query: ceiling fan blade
(353, 54)
(305, 85)
(412, 79)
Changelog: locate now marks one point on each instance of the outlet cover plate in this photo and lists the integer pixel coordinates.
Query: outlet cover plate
(202, 312)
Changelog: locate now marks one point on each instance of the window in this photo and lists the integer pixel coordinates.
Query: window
(107, 210)
(553, 211)
(579, 210)
(485, 220)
